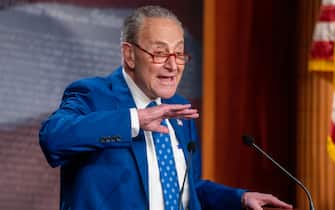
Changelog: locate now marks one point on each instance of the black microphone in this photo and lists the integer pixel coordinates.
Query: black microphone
(191, 149)
(249, 140)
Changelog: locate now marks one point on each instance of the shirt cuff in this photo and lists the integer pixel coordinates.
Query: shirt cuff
(135, 123)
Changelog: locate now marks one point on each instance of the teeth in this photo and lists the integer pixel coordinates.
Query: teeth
(166, 79)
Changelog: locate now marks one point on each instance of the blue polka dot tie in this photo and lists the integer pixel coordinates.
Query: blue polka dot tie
(167, 167)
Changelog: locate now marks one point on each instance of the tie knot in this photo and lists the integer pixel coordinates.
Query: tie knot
(152, 104)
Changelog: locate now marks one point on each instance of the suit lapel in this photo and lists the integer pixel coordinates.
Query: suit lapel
(180, 133)
(183, 141)
(139, 151)
(120, 86)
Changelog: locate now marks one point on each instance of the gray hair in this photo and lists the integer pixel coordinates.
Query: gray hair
(133, 22)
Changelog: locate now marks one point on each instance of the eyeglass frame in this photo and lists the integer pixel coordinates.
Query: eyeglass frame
(167, 55)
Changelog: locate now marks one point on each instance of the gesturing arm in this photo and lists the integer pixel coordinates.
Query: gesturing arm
(77, 126)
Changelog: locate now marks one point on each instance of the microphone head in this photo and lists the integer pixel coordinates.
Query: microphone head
(248, 140)
(191, 146)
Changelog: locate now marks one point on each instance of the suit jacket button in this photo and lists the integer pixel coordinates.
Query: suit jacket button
(103, 140)
(117, 138)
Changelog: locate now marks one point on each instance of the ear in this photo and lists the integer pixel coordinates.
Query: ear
(128, 55)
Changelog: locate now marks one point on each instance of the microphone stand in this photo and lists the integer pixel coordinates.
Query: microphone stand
(190, 148)
(248, 140)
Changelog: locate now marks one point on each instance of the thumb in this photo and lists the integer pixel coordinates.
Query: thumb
(162, 129)
(254, 205)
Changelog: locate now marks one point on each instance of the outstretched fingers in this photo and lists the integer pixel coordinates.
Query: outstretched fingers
(255, 201)
(150, 118)
(180, 111)
(274, 201)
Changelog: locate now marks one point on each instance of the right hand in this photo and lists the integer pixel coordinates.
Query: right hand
(150, 118)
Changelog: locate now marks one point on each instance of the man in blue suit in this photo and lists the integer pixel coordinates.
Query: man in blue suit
(121, 141)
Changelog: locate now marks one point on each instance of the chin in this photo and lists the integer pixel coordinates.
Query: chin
(166, 94)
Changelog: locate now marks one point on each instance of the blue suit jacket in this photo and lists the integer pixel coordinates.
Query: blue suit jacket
(102, 166)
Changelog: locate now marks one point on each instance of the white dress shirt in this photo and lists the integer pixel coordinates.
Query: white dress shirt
(156, 200)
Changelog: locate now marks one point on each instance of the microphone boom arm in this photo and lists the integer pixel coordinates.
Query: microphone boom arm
(248, 140)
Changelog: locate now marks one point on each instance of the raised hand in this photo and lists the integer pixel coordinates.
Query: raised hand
(150, 118)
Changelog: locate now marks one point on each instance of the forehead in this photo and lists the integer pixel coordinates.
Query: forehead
(160, 31)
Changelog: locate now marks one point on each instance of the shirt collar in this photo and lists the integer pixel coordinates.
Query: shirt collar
(141, 100)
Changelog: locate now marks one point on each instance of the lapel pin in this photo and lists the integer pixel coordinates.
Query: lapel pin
(179, 122)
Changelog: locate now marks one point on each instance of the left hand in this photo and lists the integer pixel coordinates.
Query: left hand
(255, 201)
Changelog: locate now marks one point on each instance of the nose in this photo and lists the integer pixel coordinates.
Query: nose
(171, 63)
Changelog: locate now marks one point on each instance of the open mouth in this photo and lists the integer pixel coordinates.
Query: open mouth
(167, 80)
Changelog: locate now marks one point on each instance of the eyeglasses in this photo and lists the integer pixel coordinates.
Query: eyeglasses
(160, 58)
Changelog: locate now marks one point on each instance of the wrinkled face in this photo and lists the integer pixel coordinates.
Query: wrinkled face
(156, 35)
